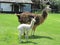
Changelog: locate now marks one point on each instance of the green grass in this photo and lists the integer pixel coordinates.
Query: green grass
(47, 33)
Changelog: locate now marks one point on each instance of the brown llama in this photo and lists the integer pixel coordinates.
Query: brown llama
(25, 17)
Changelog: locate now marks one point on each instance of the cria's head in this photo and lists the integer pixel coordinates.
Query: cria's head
(33, 19)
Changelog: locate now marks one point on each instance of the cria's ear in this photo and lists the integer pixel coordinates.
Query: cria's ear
(34, 17)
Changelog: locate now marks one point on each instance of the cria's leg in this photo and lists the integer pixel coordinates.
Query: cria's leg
(20, 36)
(26, 35)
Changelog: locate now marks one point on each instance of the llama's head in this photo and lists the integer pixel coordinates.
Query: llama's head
(48, 8)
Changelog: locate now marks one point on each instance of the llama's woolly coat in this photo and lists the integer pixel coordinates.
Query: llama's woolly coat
(25, 17)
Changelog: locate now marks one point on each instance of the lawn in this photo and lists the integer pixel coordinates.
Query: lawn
(47, 33)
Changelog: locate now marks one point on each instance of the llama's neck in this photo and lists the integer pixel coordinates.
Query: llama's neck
(32, 24)
(44, 13)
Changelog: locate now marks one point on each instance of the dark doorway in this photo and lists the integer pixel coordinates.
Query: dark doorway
(16, 8)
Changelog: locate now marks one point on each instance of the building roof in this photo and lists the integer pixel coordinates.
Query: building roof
(17, 1)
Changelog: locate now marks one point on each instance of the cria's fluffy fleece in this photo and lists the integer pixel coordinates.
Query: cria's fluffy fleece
(25, 28)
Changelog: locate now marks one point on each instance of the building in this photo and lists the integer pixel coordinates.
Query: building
(18, 6)
(15, 6)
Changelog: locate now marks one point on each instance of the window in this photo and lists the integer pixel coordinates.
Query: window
(46, 0)
(0, 5)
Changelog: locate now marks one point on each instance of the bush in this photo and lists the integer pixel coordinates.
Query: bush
(55, 5)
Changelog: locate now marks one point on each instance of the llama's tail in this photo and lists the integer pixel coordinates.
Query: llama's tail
(18, 15)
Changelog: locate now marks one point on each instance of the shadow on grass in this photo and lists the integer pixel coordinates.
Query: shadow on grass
(37, 37)
(28, 42)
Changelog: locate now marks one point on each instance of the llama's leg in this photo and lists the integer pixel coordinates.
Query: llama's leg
(33, 30)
